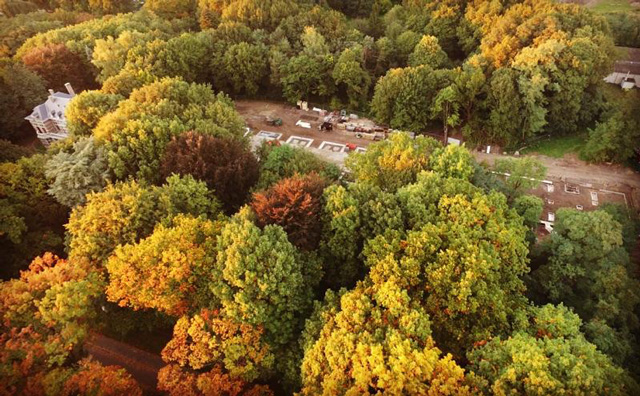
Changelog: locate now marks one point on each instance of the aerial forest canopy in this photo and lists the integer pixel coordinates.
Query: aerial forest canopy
(507, 70)
(266, 270)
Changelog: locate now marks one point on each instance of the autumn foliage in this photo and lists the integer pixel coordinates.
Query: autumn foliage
(163, 271)
(178, 382)
(295, 204)
(44, 319)
(210, 338)
(427, 261)
(57, 65)
(92, 378)
(224, 164)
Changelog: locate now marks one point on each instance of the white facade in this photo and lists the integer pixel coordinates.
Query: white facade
(625, 74)
(625, 80)
(48, 119)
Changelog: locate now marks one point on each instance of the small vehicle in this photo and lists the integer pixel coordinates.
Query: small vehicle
(274, 121)
(326, 126)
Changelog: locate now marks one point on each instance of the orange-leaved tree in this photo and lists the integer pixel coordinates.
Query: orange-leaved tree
(210, 339)
(45, 317)
(58, 65)
(178, 382)
(167, 271)
(295, 204)
(92, 378)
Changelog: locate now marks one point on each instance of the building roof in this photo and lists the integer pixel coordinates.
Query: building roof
(62, 95)
(52, 109)
(627, 67)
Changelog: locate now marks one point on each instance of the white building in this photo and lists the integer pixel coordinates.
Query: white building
(48, 118)
(626, 74)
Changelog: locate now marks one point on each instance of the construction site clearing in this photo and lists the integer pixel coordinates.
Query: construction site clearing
(332, 135)
(315, 124)
(558, 194)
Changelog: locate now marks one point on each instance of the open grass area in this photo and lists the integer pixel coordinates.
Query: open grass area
(605, 6)
(558, 146)
(614, 93)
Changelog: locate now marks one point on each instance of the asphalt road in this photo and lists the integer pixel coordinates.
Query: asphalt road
(142, 365)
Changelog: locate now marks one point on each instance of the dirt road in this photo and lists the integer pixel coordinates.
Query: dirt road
(574, 170)
(143, 366)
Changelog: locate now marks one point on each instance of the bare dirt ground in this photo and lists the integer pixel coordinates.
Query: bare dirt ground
(572, 169)
(256, 112)
(587, 3)
(589, 177)
(570, 195)
(632, 54)
(591, 3)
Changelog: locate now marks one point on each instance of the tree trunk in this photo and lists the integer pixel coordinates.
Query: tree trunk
(446, 123)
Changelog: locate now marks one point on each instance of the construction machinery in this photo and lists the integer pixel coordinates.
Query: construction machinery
(274, 121)
(326, 126)
(375, 135)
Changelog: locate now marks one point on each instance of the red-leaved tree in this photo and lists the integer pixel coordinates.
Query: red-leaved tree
(58, 65)
(295, 204)
(227, 166)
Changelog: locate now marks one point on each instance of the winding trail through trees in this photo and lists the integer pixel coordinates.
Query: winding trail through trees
(143, 366)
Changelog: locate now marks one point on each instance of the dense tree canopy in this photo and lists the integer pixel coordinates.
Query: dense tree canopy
(413, 270)
(171, 8)
(79, 36)
(548, 73)
(444, 257)
(375, 342)
(78, 173)
(173, 262)
(588, 269)
(45, 315)
(349, 72)
(260, 279)
(10, 152)
(16, 30)
(226, 165)
(85, 110)
(58, 65)
(21, 91)
(394, 162)
(614, 138)
(209, 339)
(551, 356)
(138, 131)
(178, 382)
(31, 220)
(280, 162)
(92, 377)
(403, 98)
(428, 52)
(295, 204)
(127, 212)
